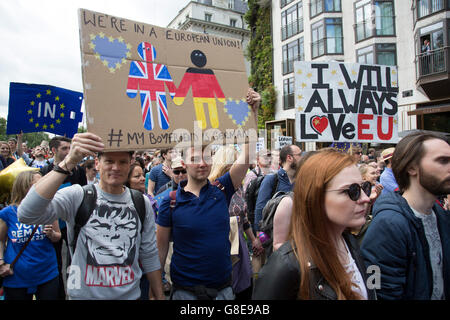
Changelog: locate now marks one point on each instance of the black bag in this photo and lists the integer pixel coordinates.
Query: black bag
(251, 194)
(268, 213)
(88, 204)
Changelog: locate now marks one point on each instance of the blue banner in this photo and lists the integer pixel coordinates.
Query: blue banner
(344, 146)
(35, 107)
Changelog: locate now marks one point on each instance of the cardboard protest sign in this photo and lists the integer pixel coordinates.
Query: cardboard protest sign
(151, 87)
(282, 141)
(346, 102)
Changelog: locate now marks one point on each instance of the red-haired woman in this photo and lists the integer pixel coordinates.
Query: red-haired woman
(321, 260)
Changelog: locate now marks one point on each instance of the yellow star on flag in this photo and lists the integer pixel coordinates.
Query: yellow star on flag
(309, 75)
(333, 72)
(120, 39)
(44, 126)
(52, 126)
(49, 92)
(61, 114)
(299, 71)
(101, 35)
(111, 39)
(37, 125)
(354, 72)
(92, 46)
(30, 111)
(92, 36)
(303, 85)
(394, 83)
(300, 109)
(32, 103)
(56, 98)
(105, 63)
(300, 97)
(340, 83)
(128, 46)
(62, 106)
(38, 95)
(58, 121)
(31, 120)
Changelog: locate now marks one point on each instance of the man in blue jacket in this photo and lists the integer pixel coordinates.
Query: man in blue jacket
(409, 237)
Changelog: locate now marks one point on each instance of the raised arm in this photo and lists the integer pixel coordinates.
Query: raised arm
(83, 144)
(240, 167)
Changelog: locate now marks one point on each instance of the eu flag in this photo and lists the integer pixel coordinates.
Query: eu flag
(36, 107)
(344, 146)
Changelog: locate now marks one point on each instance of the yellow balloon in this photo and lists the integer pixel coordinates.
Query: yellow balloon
(8, 175)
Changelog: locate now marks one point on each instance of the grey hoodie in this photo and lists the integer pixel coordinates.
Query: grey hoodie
(105, 264)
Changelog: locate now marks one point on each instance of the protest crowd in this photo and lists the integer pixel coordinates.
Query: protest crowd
(326, 224)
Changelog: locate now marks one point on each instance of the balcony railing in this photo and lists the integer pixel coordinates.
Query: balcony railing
(432, 62)
(288, 66)
(291, 29)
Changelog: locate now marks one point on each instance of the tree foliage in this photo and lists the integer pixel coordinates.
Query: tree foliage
(259, 52)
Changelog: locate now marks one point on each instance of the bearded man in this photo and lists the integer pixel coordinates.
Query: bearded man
(409, 237)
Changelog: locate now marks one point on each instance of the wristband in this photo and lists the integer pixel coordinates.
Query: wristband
(61, 170)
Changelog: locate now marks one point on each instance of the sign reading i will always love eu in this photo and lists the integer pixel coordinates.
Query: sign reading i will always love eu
(35, 107)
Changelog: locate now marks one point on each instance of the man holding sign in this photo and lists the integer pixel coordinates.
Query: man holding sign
(112, 243)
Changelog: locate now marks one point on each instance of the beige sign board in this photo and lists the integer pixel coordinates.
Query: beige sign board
(152, 87)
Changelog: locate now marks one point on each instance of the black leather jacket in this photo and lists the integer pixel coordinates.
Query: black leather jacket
(279, 279)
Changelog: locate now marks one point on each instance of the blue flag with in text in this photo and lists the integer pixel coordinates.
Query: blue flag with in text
(36, 107)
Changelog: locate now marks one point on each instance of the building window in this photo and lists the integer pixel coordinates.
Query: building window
(292, 21)
(284, 3)
(327, 37)
(382, 53)
(230, 4)
(427, 7)
(208, 17)
(288, 93)
(233, 22)
(431, 51)
(374, 18)
(293, 51)
(365, 55)
(319, 6)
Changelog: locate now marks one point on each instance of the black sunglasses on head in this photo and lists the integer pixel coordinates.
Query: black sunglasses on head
(177, 172)
(354, 190)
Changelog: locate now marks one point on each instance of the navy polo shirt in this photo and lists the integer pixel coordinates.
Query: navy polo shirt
(200, 231)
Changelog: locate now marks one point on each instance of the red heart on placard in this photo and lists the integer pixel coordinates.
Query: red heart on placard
(319, 124)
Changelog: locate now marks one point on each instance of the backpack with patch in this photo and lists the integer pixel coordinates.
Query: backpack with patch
(251, 195)
(88, 204)
(268, 213)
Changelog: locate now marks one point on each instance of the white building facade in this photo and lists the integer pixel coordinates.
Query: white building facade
(385, 32)
(223, 18)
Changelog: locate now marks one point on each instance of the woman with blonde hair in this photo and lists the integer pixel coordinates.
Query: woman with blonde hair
(242, 272)
(321, 260)
(35, 270)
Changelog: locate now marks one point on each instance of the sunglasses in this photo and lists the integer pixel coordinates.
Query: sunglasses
(354, 190)
(177, 172)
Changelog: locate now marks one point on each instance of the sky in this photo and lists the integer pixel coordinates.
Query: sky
(40, 38)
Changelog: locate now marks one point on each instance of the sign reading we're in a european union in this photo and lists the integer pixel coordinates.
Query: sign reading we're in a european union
(35, 107)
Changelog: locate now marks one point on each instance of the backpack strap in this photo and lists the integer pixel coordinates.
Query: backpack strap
(84, 211)
(139, 204)
(274, 185)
